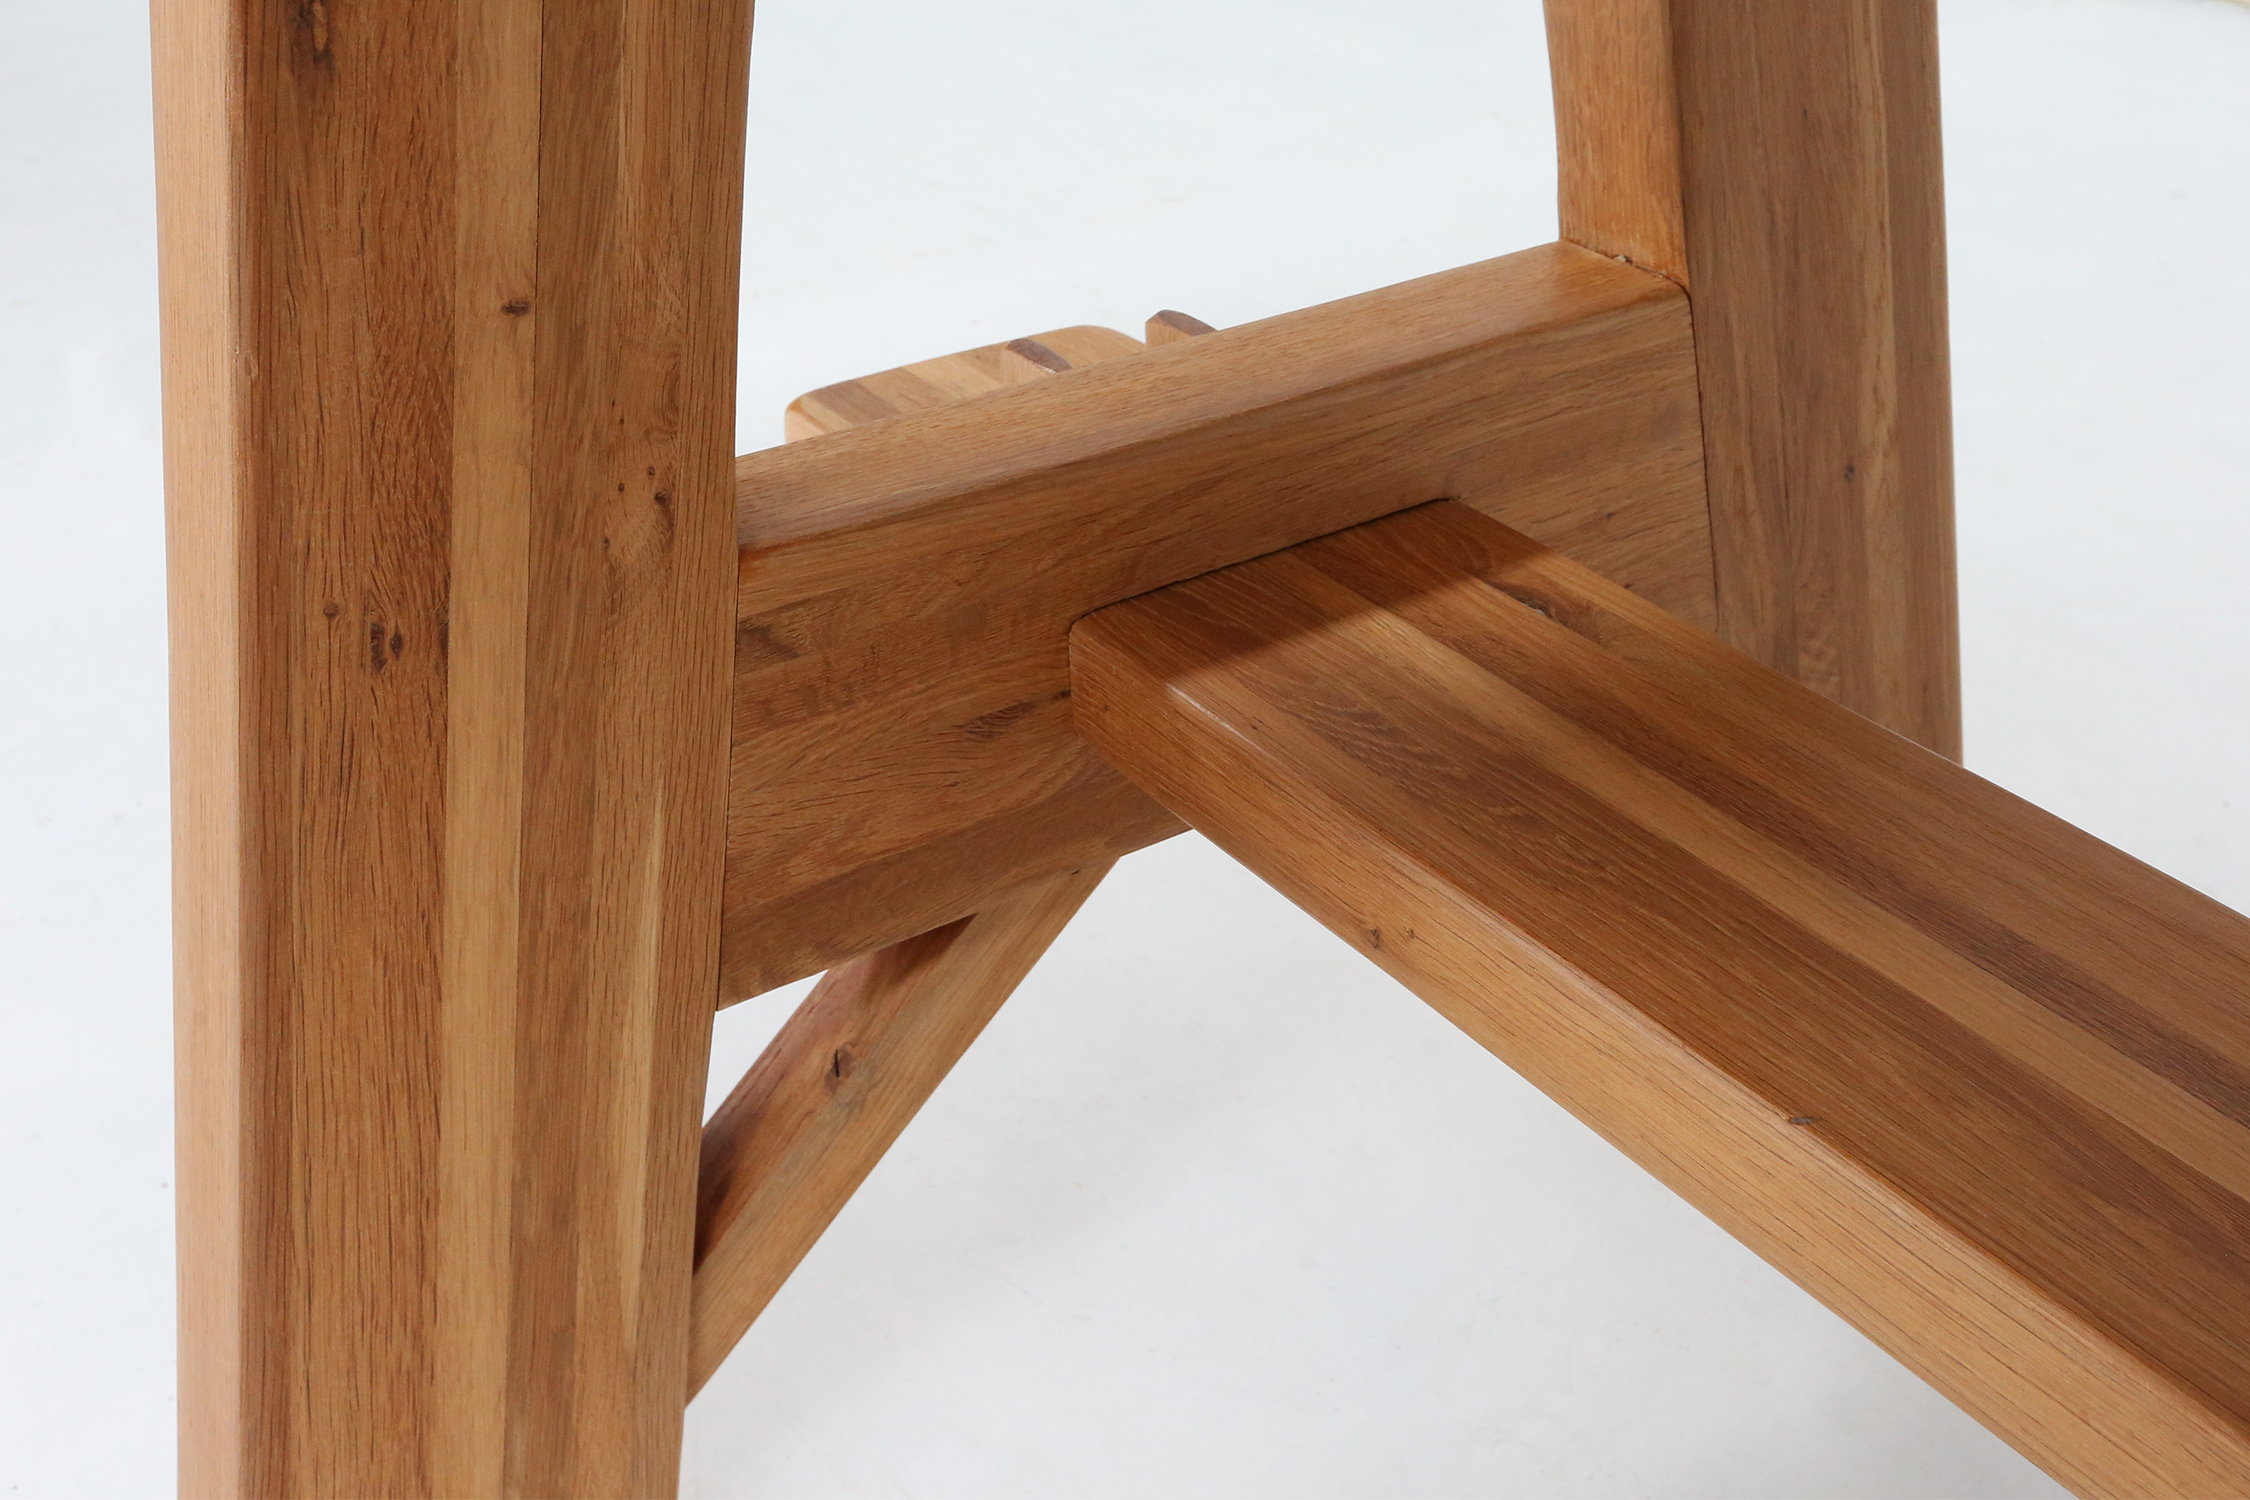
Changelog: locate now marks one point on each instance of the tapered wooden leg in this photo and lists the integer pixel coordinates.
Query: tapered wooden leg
(449, 300)
(1780, 159)
(808, 1123)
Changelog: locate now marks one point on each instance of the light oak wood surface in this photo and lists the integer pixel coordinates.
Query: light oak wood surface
(449, 299)
(902, 738)
(463, 857)
(832, 1092)
(1782, 162)
(1975, 1079)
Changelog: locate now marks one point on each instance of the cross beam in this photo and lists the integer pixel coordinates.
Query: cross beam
(1975, 1079)
(902, 738)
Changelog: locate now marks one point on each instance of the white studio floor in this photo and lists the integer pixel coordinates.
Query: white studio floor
(1213, 1210)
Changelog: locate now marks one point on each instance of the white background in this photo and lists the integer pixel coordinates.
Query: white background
(1213, 1209)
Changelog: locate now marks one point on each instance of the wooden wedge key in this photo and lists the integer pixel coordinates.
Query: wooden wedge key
(1572, 630)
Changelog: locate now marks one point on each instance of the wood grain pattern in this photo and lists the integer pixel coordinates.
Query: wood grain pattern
(449, 299)
(902, 723)
(1782, 161)
(1617, 130)
(832, 1092)
(1975, 1079)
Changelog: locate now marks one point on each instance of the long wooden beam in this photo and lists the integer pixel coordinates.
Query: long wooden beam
(902, 738)
(449, 306)
(1780, 159)
(1975, 1079)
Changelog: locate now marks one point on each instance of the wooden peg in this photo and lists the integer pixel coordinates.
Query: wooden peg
(1029, 359)
(1169, 327)
(949, 377)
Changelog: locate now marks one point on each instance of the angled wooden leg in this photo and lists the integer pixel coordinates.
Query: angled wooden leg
(1781, 161)
(834, 1089)
(1975, 1079)
(449, 308)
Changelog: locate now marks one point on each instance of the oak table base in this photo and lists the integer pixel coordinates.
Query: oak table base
(1574, 630)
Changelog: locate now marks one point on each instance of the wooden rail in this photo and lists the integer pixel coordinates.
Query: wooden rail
(902, 738)
(1975, 1079)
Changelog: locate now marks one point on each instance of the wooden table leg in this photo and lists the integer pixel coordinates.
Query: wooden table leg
(1781, 161)
(449, 310)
